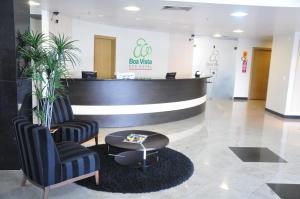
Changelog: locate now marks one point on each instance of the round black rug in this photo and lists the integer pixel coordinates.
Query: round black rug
(172, 169)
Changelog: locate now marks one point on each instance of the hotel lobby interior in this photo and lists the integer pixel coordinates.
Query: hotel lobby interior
(150, 99)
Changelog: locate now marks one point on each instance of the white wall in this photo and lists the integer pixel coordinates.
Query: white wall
(242, 80)
(181, 55)
(171, 51)
(294, 109)
(35, 24)
(293, 94)
(64, 26)
(223, 72)
(45, 22)
(233, 65)
(279, 75)
(126, 39)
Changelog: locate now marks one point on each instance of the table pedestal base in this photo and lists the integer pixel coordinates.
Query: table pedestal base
(135, 159)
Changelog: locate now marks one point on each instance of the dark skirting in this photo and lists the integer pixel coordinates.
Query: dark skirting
(172, 169)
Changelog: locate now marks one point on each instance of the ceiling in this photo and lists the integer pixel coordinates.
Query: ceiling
(273, 3)
(203, 19)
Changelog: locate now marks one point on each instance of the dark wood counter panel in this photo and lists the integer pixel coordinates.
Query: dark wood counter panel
(93, 95)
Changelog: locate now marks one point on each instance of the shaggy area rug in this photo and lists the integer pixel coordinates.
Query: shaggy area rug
(172, 169)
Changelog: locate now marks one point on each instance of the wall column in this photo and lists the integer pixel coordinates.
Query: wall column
(283, 87)
(14, 17)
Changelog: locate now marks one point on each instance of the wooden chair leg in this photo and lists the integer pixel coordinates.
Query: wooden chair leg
(24, 179)
(96, 140)
(97, 177)
(46, 192)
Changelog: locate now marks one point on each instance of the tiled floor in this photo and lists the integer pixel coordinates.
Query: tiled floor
(290, 191)
(219, 173)
(256, 154)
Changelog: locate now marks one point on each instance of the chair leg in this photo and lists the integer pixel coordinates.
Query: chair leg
(24, 179)
(96, 140)
(97, 177)
(46, 192)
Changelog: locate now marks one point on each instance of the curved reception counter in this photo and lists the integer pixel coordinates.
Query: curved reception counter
(123, 103)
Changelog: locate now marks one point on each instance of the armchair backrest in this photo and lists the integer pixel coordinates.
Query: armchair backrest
(62, 110)
(38, 153)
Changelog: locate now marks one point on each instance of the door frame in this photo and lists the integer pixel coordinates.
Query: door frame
(252, 68)
(114, 49)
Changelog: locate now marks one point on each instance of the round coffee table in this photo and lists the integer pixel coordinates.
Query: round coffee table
(136, 154)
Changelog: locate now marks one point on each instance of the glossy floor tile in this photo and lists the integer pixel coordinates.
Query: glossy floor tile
(286, 191)
(205, 139)
(256, 154)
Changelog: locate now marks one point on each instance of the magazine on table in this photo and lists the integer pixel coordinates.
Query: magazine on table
(135, 138)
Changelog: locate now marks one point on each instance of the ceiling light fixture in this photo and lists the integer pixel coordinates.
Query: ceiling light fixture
(238, 31)
(239, 14)
(217, 35)
(100, 15)
(132, 8)
(33, 3)
(224, 186)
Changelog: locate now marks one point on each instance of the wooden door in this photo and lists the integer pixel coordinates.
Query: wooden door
(260, 73)
(104, 56)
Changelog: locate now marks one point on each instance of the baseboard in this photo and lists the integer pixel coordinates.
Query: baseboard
(283, 116)
(240, 98)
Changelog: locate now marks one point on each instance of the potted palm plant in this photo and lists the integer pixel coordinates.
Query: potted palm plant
(50, 57)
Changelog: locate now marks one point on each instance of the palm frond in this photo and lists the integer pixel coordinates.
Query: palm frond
(50, 58)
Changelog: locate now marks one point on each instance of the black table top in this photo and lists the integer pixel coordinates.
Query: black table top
(154, 141)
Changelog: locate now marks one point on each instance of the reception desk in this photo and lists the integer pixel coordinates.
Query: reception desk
(122, 103)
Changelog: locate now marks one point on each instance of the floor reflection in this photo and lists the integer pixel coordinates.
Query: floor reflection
(206, 139)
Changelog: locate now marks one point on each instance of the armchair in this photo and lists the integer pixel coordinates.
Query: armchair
(71, 129)
(48, 165)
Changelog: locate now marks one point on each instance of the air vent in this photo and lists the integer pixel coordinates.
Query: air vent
(176, 8)
(229, 38)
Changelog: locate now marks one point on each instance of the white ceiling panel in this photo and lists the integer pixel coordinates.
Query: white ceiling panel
(202, 19)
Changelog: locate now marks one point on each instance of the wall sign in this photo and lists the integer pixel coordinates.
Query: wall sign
(212, 65)
(213, 62)
(244, 62)
(141, 59)
(213, 58)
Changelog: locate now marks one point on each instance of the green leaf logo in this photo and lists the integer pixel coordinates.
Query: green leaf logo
(142, 49)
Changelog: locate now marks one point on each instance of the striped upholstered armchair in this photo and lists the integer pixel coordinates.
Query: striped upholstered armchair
(69, 128)
(48, 165)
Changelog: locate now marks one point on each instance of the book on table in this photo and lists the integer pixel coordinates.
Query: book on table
(135, 138)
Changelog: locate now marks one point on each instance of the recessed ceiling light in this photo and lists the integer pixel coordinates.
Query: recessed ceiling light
(224, 186)
(239, 14)
(217, 35)
(132, 8)
(33, 3)
(100, 15)
(238, 31)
